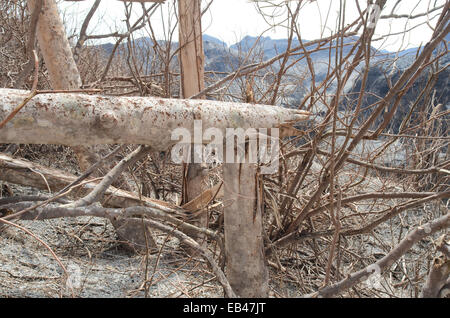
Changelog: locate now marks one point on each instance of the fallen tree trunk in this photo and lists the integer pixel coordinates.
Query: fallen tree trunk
(76, 119)
(26, 173)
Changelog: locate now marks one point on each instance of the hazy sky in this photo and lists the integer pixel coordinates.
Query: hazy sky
(230, 20)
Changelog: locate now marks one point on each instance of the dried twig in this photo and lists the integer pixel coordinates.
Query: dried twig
(43, 243)
(112, 175)
(385, 262)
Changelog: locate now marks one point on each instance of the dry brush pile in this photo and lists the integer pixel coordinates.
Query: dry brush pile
(343, 216)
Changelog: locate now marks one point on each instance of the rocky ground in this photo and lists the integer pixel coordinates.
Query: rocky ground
(97, 264)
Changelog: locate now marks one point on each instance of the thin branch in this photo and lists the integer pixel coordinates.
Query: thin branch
(112, 175)
(385, 262)
(40, 241)
(83, 36)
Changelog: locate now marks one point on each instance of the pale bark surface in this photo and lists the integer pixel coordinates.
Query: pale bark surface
(192, 58)
(438, 279)
(192, 62)
(77, 119)
(55, 47)
(244, 247)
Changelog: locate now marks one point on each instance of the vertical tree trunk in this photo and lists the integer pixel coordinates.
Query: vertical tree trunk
(55, 47)
(244, 247)
(192, 82)
(191, 47)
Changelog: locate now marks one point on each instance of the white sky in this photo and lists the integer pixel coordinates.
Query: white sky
(231, 20)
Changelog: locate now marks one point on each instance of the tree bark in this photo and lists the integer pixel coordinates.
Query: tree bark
(244, 247)
(77, 119)
(192, 82)
(55, 47)
(439, 276)
(192, 57)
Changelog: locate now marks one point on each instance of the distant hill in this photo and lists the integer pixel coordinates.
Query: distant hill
(378, 87)
(269, 46)
(210, 39)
